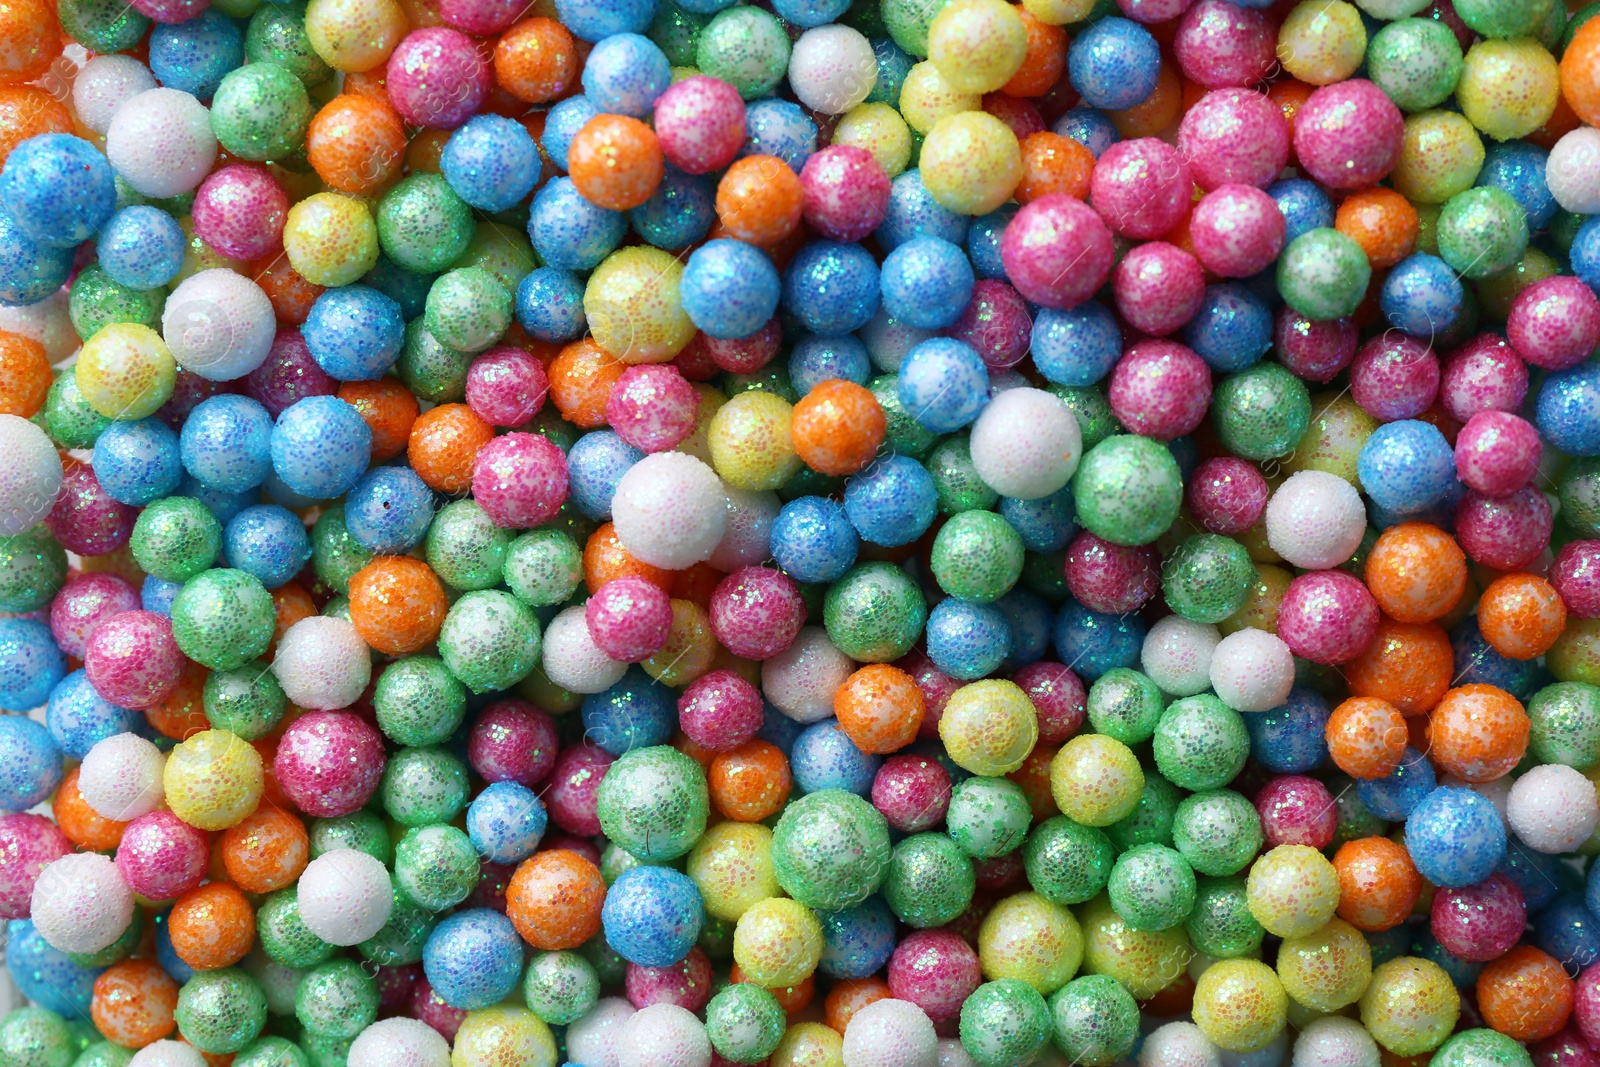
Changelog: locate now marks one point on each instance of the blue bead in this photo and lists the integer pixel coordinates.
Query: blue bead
(1114, 64)
(562, 123)
(624, 75)
(473, 959)
(59, 189)
(157, 595)
(820, 359)
(1046, 524)
(943, 384)
(1455, 837)
(29, 271)
(824, 757)
(778, 730)
(1462, 973)
(226, 443)
(1477, 663)
(47, 976)
(595, 20)
(705, 7)
(389, 510)
(267, 541)
(637, 712)
(1585, 253)
(810, 13)
(1569, 931)
(892, 502)
(569, 232)
(680, 213)
(354, 333)
(913, 212)
(30, 664)
(967, 640)
(1078, 346)
(813, 540)
(30, 763)
(1290, 738)
(893, 66)
(1568, 409)
(141, 247)
(224, 505)
(1517, 168)
(1421, 296)
(1232, 330)
(320, 447)
(652, 916)
(491, 162)
(1304, 205)
(983, 240)
(506, 822)
(729, 288)
(550, 305)
(857, 942)
(167, 956)
(831, 288)
(1090, 127)
(1406, 466)
(78, 718)
(1030, 620)
(1540, 877)
(138, 462)
(1397, 794)
(779, 128)
(595, 465)
(926, 282)
(194, 55)
(1091, 643)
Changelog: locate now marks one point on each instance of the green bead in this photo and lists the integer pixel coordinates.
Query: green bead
(468, 309)
(1150, 822)
(955, 479)
(260, 112)
(466, 549)
(1565, 720)
(1207, 578)
(236, 9)
(1152, 887)
(418, 701)
(907, 22)
(1579, 493)
(361, 830)
(272, 1052)
(247, 700)
(324, 1051)
(830, 849)
(221, 1011)
(277, 34)
(118, 950)
(423, 226)
(1067, 862)
(1092, 410)
(745, 1023)
(677, 33)
(1221, 925)
(1505, 18)
(1355, 821)
(283, 934)
(490, 640)
(68, 418)
(278, 983)
(1096, 1020)
(436, 866)
(501, 250)
(561, 987)
(1481, 1048)
(902, 432)
(745, 47)
(1416, 62)
(222, 618)
(1125, 704)
(1201, 743)
(543, 567)
(102, 26)
(431, 369)
(716, 939)
(1262, 412)
(615, 861)
(1219, 832)
(423, 786)
(402, 938)
(1128, 490)
(930, 881)
(337, 1000)
(1044, 574)
(1482, 232)
(105, 1054)
(1005, 1023)
(1323, 274)
(97, 301)
(988, 817)
(606, 963)
(653, 802)
(176, 538)
(32, 568)
(34, 1037)
(874, 613)
(977, 556)
(335, 555)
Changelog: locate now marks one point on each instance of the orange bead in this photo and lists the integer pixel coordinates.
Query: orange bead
(211, 927)
(879, 708)
(750, 783)
(1580, 73)
(356, 143)
(1052, 163)
(266, 851)
(615, 162)
(759, 200)
(581, 378)
(444, 444)
(1366, 737)
(373, 83)
(1561, 122)
(1290, 96)
(24, 375)
(1378, 883)
(389, 409)
(837, 427)
(183, 714)
(1521, 615)
(397, 604)
(850, 995)
(1416, 572)
(133, 1003)
(1408, 664)
(27, 111)
(1382, 222)
(84, 826)
(605, 560)
(1525, 994)
(1478, 733)
(1045, 61)
(290, 294)
(291, 603)
(30, 39)
(695, 584)
(554, 899)
(535, 60)
(792, 999)
(1158, 111)
(1034, 778)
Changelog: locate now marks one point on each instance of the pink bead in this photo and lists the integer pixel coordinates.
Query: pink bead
(1000, 874)
(520, 480)
(1057, 251)
(745, 355)
(171, 11)
(575, 786)
(1141, 188)
(996, 323)
(720, 711)
(652, 407)
(846, 192)
(686, 983)
(1327, 617)
(1108, 578)
(1506, 533)
(162, 857)
(700, 122)
(1159, 288)
(436, 78)
(1221, 45)
(1586, 1003)
(395, 984)
(570, 843)
(86, 519)
(490, 892)
(937, 688)
(1237, 231)
(1497, 453)
(629, 619)
(513, 741)
(329, 763)
(1296, 810)
(506, 386)
(1314, 351)
(132, 660)
(288, 375)
(188, 391)
(1020, 115)
(1058, 698)
(1565, 1049)
(912, 792)
(1227, 495)
(83, 603)
(1555, 323)
(1160, 389)
(1576, 576)
(1153, 11)
(1485, 374)
(1394, 376)
(695, 362)
(1234, 137)
(1348, 135)
(239, 211)
(29, 844)
(429, 1007)
(1480, 922)
(481, 18)
(756, 612)
(936, 970)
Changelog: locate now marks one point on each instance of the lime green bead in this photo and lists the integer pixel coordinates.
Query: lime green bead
(930, 881)
(1261, 413)
(1096, 1020)
(1565, 720)
(1220, 925)
(468, 309)
(745, 47)
(490, 640)
(418, 701)
(874, 613)
(247, 700)
(466, 549)
(423, 786)
(1482, 232)
(1505, 18)
(902, 433)
(118, 950)
(1067, 862)
(955, 478)
(431, 369)
(543, 567)
(654, 803)
(988, 817)
(68, 418)
(401, 940)
(423, 225)
(1092, 410)
(606, 963)
(337, 1000)
(561, 987)
(271, 1052)
(436, 866)
(105, 1054)
(1128, 490)
(745, 1023)
(1218, 832)
(283, 935)
(277, 34)
(34, 1037)
(33, 565)
(260, 112)
(96, 301)
(223, 618)
(324, 1051)
(221, 1011)
(1480, 1048)
(1125, 704)
(1323, 274)
(335, 555)
(1150, 822)
(1005, 1023)
(175, 539)
(103, 26)
(504, 251)
(1416, 62)
(1207, 578)
(1201, 743)
(361, 830)
(977, 556)
(908, 20)
(1152, 887)
(830, 849)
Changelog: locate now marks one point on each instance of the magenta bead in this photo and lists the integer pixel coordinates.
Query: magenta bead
(170, 11)
(436, 78)
(1327, 617)
(1057, 251)
(83, 603)
(1567, 1048)
(1153, 11)
(481, 18)
(1234, 137)
(745, 355)
(686, 983)
(936, 970)
(1221, 45)
(513, 741)
(1296, 810)
(1227, 495)
(288, 375)
(1237, 230)
(520, 480)
(85, 518)
(490, 892)
(1058, 696)
(1506, 533)
(162, 857)
(996, 323)
(188, 391)
(329, 763)
(1555, 323)
(846, 192)
(506, 386)
(912, 792)
(652, 407)
(700, 123)
(1586, 1003)
(1478, 923)
(395, 984)
(1485, 374)
(1497, 453)
(1160, 389)
(132, 659)
(239, 211)
(1020, 114)
(1141, 188)
(1159, 288)
(574, 787)
(429, 1007)
(937, 688)
(29, 844)
(756, 612)
(629, 618)
(1111, 579)
(1576, 576)
(1348, 135)
(720, 711)
(1314, 351)
(1394, 376)
(1000, 873)
(583, 846)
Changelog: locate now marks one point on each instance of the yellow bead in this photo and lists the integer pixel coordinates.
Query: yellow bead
(1328, 969)
(1508, 89)
(925, 98)
(879, 129)
(989, 727)
(354, 35)
(1028, 938)
(1096, 780)
(732, 865)
(213, 780)
(633, 308)
(1322, 41)
(1410, 1006)
(1292, 890)
(1144, 961)
(809, 1045)
(778, 942)
(1240, 1005)
(126, 371)
(503, 1036)
(978, 45)
(970, 163)
(330, 239)
(751, 446)
(1440, 156)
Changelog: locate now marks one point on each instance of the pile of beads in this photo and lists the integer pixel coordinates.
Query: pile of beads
(811, 533)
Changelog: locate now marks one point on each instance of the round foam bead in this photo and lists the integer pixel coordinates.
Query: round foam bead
(160, 142)
(571, 658)
(1177, 654)
(104, 84)
(670, 510)
(30, 475)
(1315, 520)
(1335, 1041)
(1252, 670)
(167, 1054)
(400, 1043)
(1573, 171)
(322, 663)
(218, 325)
(1552, 808)
(832, 69)
(345, 896)
(662, 1035)
(81, 903)
(890, 1033)
(121, 777)
(1026, 444)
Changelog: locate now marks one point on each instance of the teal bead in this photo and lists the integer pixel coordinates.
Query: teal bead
(1220, 925)
(1005, 1023)
(1066, 861)
(653, 802)
(465, 548)
(745, 1023)
(544, 567)
(1207, 578)
(977, 556)
(176, 538)
(1218, 832)
(874, 613)
(1150, 822)
(1482, 232)
(247, 700)
(223, 618)
(988, 817)
(1152, 887)
(1128, 490)
(1262, 412)
(561, 987)
(1125, 704)
(436, 866)
(221, 1011)
(1323, 274)
(930, 881)
(1096, 1020)
(337, 1000)
(418, 701)
(490, 640)
(362, 830)
(102, 26)
(1201, 743)
(423, 786)
(830, 849)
